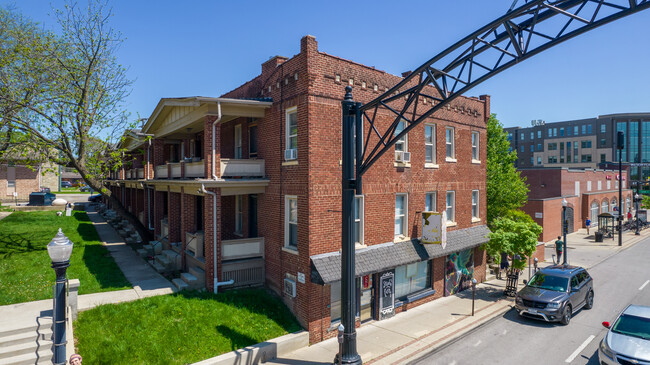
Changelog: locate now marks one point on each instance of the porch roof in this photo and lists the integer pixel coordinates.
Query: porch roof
(326, 268)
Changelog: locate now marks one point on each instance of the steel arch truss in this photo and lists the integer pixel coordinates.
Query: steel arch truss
(522, 32)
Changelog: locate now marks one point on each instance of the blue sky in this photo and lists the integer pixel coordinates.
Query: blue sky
(181, 48)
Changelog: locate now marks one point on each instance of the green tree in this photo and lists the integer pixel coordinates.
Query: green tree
(506, 189)
(515, 234)
(62, 95)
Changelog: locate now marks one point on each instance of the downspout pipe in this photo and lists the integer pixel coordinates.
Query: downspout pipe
(214, 173)
(216, 284)
(151, 228)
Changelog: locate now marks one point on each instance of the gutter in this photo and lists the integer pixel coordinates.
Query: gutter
(214, 174)
(216, 282)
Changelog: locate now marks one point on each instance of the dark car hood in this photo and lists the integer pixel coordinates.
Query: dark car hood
(541, 295)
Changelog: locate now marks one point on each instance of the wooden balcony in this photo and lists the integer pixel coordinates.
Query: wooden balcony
(244, 168)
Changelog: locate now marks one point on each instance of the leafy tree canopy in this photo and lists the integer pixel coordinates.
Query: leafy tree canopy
(515, 234)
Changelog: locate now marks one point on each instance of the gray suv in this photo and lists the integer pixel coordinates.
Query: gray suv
(549, 297)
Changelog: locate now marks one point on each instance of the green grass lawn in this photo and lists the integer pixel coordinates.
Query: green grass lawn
(180, 328)
(25, 267)
(70, 191)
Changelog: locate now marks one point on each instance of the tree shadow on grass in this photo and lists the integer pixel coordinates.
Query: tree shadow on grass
(16, 243)
(237, 339)
(103, 267)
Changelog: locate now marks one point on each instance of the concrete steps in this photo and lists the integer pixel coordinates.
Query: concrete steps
(190, 280)
(158, 267)
(180, 284)
(27, 345)
(174, 258)
(199, 274)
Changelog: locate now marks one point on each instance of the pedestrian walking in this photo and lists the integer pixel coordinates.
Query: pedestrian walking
(504, 265)
(559, 247)
(588, 225)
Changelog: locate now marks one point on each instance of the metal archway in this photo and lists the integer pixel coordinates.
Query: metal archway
(521, 33)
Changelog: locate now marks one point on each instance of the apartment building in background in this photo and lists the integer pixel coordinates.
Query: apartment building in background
(247, 187)
(585, 143)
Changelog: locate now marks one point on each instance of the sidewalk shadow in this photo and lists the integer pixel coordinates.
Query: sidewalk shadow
(513, 316)
(488, 292)
(299, 362)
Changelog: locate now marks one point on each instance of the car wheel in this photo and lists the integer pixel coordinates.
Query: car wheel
(589, 303)
(566, 318)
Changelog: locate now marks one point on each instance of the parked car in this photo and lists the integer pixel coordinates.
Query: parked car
(66, 184)
(628, 339)
(549, 297)
(84, 187)
(96, 198)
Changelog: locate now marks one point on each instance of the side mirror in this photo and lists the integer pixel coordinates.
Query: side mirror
(525, 281)
(606, 324)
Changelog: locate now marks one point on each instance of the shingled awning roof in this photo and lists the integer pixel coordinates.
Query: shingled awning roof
(326, 268)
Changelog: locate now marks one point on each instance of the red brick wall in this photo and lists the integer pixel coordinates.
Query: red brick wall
(26, 182)
(209, 252)
(174, 217)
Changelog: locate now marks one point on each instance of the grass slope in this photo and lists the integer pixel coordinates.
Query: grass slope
(25, 267)
(181, 328)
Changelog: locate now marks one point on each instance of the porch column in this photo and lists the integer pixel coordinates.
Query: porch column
(157, 155)
(173, 217)
(208, 224)
(188, 224)
(207, 146)
(158, 210)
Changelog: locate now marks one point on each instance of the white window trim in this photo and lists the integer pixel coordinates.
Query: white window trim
(403, 236)
(434, 157)
(287, 199)
(453, 145)
(477, 217)
(238, 142)
(239, 224)
(287, 138)
(451, 221)
(478, 148)
(406, 147)
(361, 218)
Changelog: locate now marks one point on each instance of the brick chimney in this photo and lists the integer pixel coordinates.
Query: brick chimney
(271, 64)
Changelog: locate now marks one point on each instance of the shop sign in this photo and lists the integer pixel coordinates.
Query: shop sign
(434, 228)
(608, 177)
(387, 294)
(539, 215)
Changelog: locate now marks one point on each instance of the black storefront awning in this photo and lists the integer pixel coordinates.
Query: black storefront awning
(326, 268)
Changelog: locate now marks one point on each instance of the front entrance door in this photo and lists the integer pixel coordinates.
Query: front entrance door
(252, 215)
(364, 284)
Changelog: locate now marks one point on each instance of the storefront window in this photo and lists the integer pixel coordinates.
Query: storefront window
(411, 278)
(335, 307)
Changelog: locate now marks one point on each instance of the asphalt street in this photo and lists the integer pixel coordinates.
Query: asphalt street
(619, 280)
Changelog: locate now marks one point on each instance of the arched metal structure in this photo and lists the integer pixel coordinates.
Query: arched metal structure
(521, 33)
(518, 35)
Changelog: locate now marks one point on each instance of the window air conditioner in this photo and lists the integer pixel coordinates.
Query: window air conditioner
(290, 288)
(291, 154)
(194, 242)
(401, 156)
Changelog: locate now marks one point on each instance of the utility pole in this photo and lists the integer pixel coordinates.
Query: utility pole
(620, 139)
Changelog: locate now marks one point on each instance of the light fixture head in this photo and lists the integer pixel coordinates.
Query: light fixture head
(60, 248)
(564, 203)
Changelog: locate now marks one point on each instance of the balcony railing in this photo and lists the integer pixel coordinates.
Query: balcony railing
(247, 168)
(140, 173)
(242, 248)
(195, 169)
(162, 172)
(175, 169)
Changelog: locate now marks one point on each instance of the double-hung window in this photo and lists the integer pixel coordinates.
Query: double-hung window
(401, 214)
(291, 222)
(238, 150)
(449, 141)
(358, 219)
(430, 202)
(475, 215)
(430, 143)
(401, 146)
(450, 209)
(291, 133)
(238, 214)
(475, 150)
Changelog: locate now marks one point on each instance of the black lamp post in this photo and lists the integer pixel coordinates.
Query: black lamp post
(59, 249)
(564, 228)
(620, 144)
(636, 211)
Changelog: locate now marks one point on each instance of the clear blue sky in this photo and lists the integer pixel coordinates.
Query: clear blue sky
(183, 48)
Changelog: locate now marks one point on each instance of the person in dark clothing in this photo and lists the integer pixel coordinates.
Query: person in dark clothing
(504, 265)
(559, 247)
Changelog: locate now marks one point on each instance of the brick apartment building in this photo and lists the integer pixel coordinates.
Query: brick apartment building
(18, 176)
(272, 184)
(588, 193)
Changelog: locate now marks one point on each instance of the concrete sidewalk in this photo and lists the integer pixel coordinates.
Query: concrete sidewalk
(421, 330)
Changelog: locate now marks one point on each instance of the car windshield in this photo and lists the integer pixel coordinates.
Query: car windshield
(633, 326)
(548, 282)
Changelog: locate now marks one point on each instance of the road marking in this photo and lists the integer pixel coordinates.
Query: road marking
(579, 349)
(644, 284)
(477, 343)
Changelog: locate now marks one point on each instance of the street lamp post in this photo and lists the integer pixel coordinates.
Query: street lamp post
(564, 228)
(473, 294)
(59, 249)
(620, 144)
(636, 212)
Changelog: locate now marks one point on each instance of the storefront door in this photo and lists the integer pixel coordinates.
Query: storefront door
(365, 298)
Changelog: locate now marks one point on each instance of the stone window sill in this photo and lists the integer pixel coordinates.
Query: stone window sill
(290, 250)
(290, 163)
(452, 160)
(429, 165)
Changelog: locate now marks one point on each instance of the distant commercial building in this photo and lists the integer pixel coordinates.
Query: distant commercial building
(585, 143)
